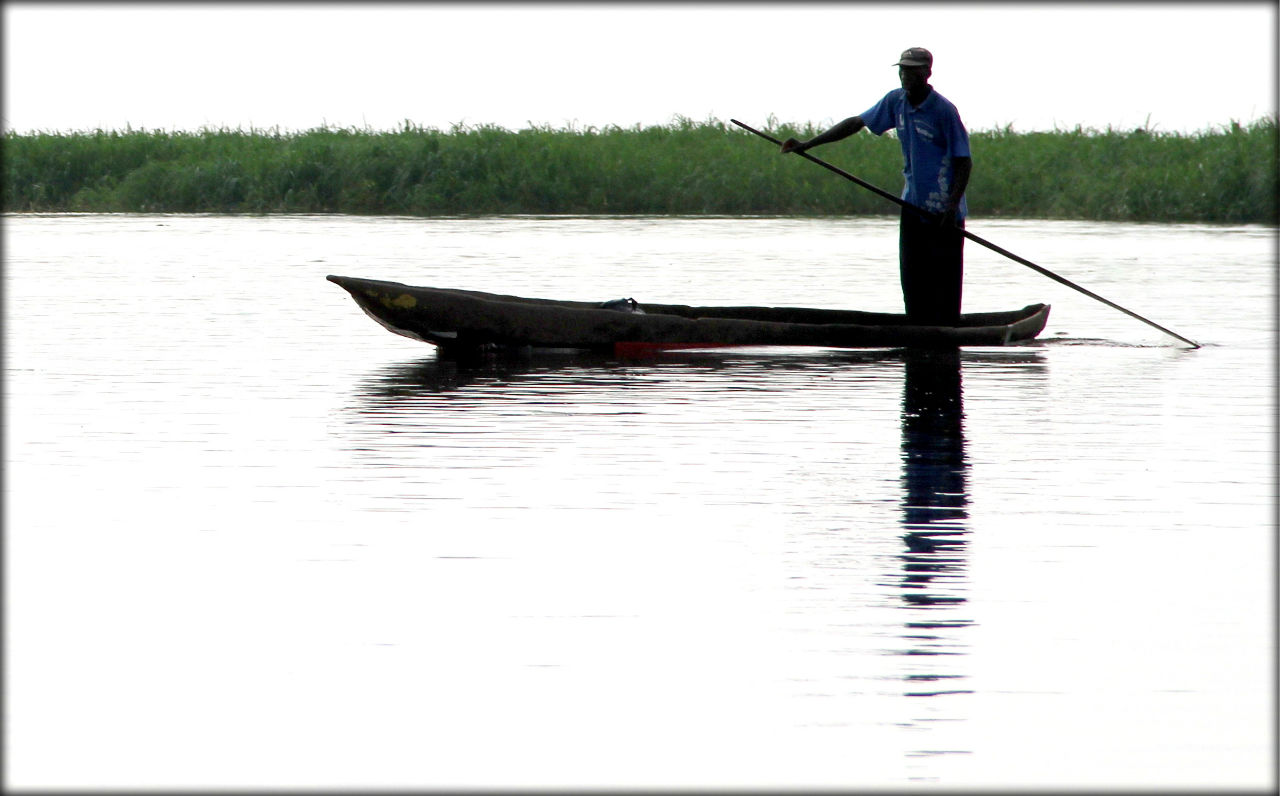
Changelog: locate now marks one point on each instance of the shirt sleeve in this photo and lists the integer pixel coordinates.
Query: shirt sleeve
(880, 117)
(956, 135)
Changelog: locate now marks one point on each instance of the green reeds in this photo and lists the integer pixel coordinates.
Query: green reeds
(1222, 175)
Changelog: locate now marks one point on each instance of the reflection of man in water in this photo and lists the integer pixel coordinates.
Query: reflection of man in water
(933, 474)
(937, 163)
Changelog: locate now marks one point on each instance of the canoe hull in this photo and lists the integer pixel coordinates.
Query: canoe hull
(466, 319)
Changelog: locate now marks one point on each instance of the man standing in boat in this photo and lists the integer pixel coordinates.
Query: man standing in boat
(937, 164)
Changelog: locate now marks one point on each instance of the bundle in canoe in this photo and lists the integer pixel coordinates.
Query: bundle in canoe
(466, 319)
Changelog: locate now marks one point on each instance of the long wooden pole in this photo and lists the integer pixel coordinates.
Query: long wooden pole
(973, 237)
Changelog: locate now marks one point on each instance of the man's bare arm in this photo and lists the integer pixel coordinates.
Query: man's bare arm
(961, 168)
(839, 131)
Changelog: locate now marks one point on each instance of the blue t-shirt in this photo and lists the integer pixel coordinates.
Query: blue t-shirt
(931, 136)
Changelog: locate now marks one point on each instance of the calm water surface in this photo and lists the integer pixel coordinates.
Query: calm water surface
(254, 540)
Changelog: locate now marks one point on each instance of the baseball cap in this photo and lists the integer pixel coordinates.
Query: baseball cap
(915, 56)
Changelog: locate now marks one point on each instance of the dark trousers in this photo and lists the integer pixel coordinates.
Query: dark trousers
(931, 262)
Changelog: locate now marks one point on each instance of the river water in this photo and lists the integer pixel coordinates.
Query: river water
(254, 540)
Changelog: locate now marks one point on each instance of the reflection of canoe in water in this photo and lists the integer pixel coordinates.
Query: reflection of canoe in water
(465, 319)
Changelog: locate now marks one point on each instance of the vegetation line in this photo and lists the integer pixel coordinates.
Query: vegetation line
(1224, 175)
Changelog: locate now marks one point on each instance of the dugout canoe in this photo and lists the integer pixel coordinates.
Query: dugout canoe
(467, 320)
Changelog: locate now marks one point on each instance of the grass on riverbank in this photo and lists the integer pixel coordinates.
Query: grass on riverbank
(1222, 175)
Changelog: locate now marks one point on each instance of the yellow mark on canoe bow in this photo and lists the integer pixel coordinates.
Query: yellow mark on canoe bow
(403, 301)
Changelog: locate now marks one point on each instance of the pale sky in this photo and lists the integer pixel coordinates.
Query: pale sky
(1179, 67)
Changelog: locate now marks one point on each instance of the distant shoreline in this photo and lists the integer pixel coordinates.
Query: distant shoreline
(1223, 175)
